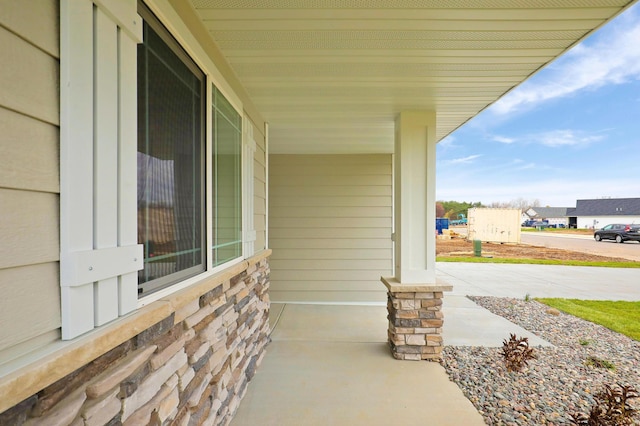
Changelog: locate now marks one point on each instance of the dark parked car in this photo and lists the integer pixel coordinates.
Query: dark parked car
(618, 232)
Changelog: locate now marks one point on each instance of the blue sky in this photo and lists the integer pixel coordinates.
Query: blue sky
(572, 131)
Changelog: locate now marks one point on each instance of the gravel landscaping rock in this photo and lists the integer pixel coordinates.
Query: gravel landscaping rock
(556, 384)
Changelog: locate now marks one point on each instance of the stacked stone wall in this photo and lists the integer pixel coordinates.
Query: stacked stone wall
(415, 325)
(191, 368)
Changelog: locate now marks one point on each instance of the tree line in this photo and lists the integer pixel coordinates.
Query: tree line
(454, 209)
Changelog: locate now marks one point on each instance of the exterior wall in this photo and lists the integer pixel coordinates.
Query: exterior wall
(598, 222)
(29, 177)
(191, 366)
(495, 225)
(52, 377)
(330, 219)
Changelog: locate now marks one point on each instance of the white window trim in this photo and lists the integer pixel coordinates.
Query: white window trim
(181, 285)
(249, 235)
(266, 184)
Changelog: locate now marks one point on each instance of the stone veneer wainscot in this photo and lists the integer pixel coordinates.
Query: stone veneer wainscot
(190, 366)
(415, 320)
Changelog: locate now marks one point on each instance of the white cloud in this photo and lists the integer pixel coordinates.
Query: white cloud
(447, 141)
(557, 138)
(503, 139)
(447, 144)
(464, 160)
(613, 58)
(530, 166)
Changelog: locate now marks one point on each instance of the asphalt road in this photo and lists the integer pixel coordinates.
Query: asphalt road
(583, 243)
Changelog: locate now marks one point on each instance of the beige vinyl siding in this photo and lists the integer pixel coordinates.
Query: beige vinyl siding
(29, 176)
(31, 296)
(29, 228)
(330, 219)
(28, 76)
(30, 152)
(33, 24)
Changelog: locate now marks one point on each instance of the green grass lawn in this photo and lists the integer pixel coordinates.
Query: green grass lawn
(619, 316)
(573, 231)
(560, 230)
(629, 264)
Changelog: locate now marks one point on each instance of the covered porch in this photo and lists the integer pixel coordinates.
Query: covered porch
(327, 114)
(329, 364)
(356, 98)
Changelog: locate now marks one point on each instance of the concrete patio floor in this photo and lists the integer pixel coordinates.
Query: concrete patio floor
(331, 364)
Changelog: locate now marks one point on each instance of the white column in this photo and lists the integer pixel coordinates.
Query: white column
(415, 191)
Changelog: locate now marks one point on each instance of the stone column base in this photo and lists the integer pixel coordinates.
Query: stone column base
(415, 320)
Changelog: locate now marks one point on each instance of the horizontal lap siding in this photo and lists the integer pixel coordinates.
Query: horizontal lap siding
(37, 25)
(330, 219)
(29, 228)
(32, 295)
(29, 152)
(28, 78)
(29, 176)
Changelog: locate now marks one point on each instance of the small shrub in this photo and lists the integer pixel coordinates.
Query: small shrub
(594, 361)
(516, 352)
(527, 297)
(611, 408)
(584, 342)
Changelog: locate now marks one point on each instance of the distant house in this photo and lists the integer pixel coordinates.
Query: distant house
(600, 212)
(554, 215)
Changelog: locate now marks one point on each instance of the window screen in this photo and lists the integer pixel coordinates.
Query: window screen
(170, 160)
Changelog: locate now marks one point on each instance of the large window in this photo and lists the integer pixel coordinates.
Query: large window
(227, 180)
(171, 172)
(171, 164)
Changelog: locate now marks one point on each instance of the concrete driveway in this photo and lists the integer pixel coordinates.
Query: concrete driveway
(575, 282)
(468, 324)
(583, 243)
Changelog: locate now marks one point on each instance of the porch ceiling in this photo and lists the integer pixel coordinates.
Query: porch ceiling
(330, 75)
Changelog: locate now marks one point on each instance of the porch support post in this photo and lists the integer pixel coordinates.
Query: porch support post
(415, 192)
(414, 298)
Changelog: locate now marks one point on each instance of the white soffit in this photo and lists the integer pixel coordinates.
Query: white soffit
(331, 75)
